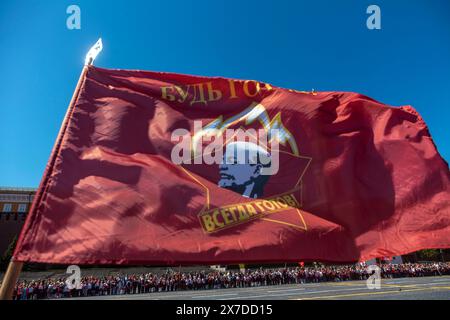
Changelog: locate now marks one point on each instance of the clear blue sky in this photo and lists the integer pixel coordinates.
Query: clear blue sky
(318, 44)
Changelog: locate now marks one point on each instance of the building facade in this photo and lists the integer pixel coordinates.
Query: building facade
(14, 206)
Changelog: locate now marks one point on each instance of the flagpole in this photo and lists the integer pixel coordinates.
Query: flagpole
(15, 267)
(10, 279)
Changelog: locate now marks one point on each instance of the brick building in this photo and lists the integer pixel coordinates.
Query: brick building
(14, 206)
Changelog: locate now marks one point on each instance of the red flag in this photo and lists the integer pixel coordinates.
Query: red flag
(134, 176)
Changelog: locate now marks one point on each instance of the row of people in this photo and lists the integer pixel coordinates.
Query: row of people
(176, 281)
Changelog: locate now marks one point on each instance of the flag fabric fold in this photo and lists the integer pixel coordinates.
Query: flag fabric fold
(135, 176)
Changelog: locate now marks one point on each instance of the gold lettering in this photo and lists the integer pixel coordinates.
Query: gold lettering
(166, 95)
(183, 94)
(208, 223)
(201, 97)
(260, 207)
(216, 221)
(232, 89)
(232, 209)
(290, 201)
(268, 204)
(281, 202)
(246, 89)
(242, 213)
(213, 95)
(225, 216)
(267, 87)
(250, 209)
(274, 203)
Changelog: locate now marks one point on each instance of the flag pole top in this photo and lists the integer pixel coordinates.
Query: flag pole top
(93, 52)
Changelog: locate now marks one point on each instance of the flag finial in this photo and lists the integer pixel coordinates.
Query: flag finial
(93, 52)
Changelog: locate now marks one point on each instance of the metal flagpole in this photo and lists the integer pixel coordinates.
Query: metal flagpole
(15, 267)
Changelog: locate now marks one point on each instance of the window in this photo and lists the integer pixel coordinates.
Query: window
(22, 207)
(7, 207)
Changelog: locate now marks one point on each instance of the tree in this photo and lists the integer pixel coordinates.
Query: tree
(429, 254)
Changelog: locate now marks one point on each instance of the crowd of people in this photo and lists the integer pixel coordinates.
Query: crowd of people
(175, 281)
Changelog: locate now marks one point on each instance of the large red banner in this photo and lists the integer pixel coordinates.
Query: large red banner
(145, 171)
